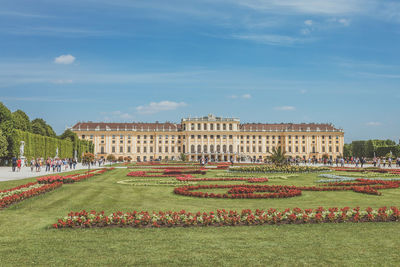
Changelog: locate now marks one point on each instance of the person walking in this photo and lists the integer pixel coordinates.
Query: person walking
(14, 163)
(19, 164)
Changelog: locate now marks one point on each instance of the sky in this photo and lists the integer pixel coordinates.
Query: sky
(266, 61)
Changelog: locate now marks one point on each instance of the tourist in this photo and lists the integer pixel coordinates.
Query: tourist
(32, 164)
(19, 164)
(390, 162)
(14, 163)
(384, 162)
(48, 162)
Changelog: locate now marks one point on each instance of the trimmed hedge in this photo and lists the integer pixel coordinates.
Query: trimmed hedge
(43, 146)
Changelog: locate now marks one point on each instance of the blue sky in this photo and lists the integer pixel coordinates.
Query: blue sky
(262, 61)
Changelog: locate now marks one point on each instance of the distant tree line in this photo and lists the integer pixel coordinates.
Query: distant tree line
(39, 137)
(371, 148)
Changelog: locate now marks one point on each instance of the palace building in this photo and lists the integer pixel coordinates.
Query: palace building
(213, 137)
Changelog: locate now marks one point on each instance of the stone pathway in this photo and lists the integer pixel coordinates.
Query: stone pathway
(6, 173)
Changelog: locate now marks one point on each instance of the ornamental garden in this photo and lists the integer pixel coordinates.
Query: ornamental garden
(183, 213)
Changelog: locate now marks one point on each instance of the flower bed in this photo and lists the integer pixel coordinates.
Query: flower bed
(145, 219)
(17, 194)
(283, 191)
(279, 169)
(184, 171)
(155, 182)
(145, 174)
(247, 179)
(68, 179)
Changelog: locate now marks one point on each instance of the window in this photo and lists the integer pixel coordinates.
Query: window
(91, 137)
(205, 148)
(102, 137)
(192, 127)
(212, 148)
(267, 148)
(198, 148)
(247, 149)
(205, 126)
(259, 149)
(241, 149)
(129, 149)
(121, 141)
(337, 149)
(230, 127)
(290, 149)
(224, 126)
(166, 149)
(304, 149)
(159, 149)
(330, 149)
(144, 136)
(297, 149)
(121, 137)
(323, 149)
(113, 149)
(192, 136)
(231, 148)
(230, 137)
(151, 149)
(138, 137)
(218, 126)
(138, 149)
(121, 149)
(144, 149)
(224, 148)
(113, 141)
(192, 149)
(113, 136)
(172, 149)
(102, 150)
(199, 126)
(212, 126)
(199, 137)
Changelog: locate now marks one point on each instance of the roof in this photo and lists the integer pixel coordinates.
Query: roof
(168, 126)
(135, 126)
(301, 127)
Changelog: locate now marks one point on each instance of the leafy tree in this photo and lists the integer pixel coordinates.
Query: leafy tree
(278, 157)
(347, 150)
(21, 121)
(68, 134)
(87, 159)
(120, 158)
(110, 158)
(3, 145)
(5, 113)
(39, 126)
(325, 156)
(183, 157)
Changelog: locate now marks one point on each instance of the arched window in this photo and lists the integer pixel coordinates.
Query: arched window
(231, 148)
(192, 149)
(224, 147)
(198, 148)
(212, 148)
(205, 148)
(218, 148)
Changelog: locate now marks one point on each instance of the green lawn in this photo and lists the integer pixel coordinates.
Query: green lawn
(27, 239)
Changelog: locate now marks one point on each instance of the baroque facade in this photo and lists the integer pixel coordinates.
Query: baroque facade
(213, 137)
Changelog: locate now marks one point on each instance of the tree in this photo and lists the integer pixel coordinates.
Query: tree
(68, 134)
(183, 157)
(278, 156)
(110, 158)
(21, 121)
(87, 159)
(3, 145)
(5, 113)
(39, 126)
(120, 158)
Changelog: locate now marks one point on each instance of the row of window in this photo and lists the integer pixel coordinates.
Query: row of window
(209, 126)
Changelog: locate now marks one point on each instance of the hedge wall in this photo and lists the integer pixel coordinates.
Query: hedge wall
(38, 146)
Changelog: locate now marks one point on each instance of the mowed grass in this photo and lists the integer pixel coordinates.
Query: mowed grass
(26, 236)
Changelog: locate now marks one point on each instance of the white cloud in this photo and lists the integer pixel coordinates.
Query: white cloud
(62, 81)
(116, 115)
(308, 22)
(305, 31)
(64, 59)
(326, 7)
(344, 22)
(303, 91)
(285, 108)
(373, 123)
(155, 107)
(270, 39)
(246, 96)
